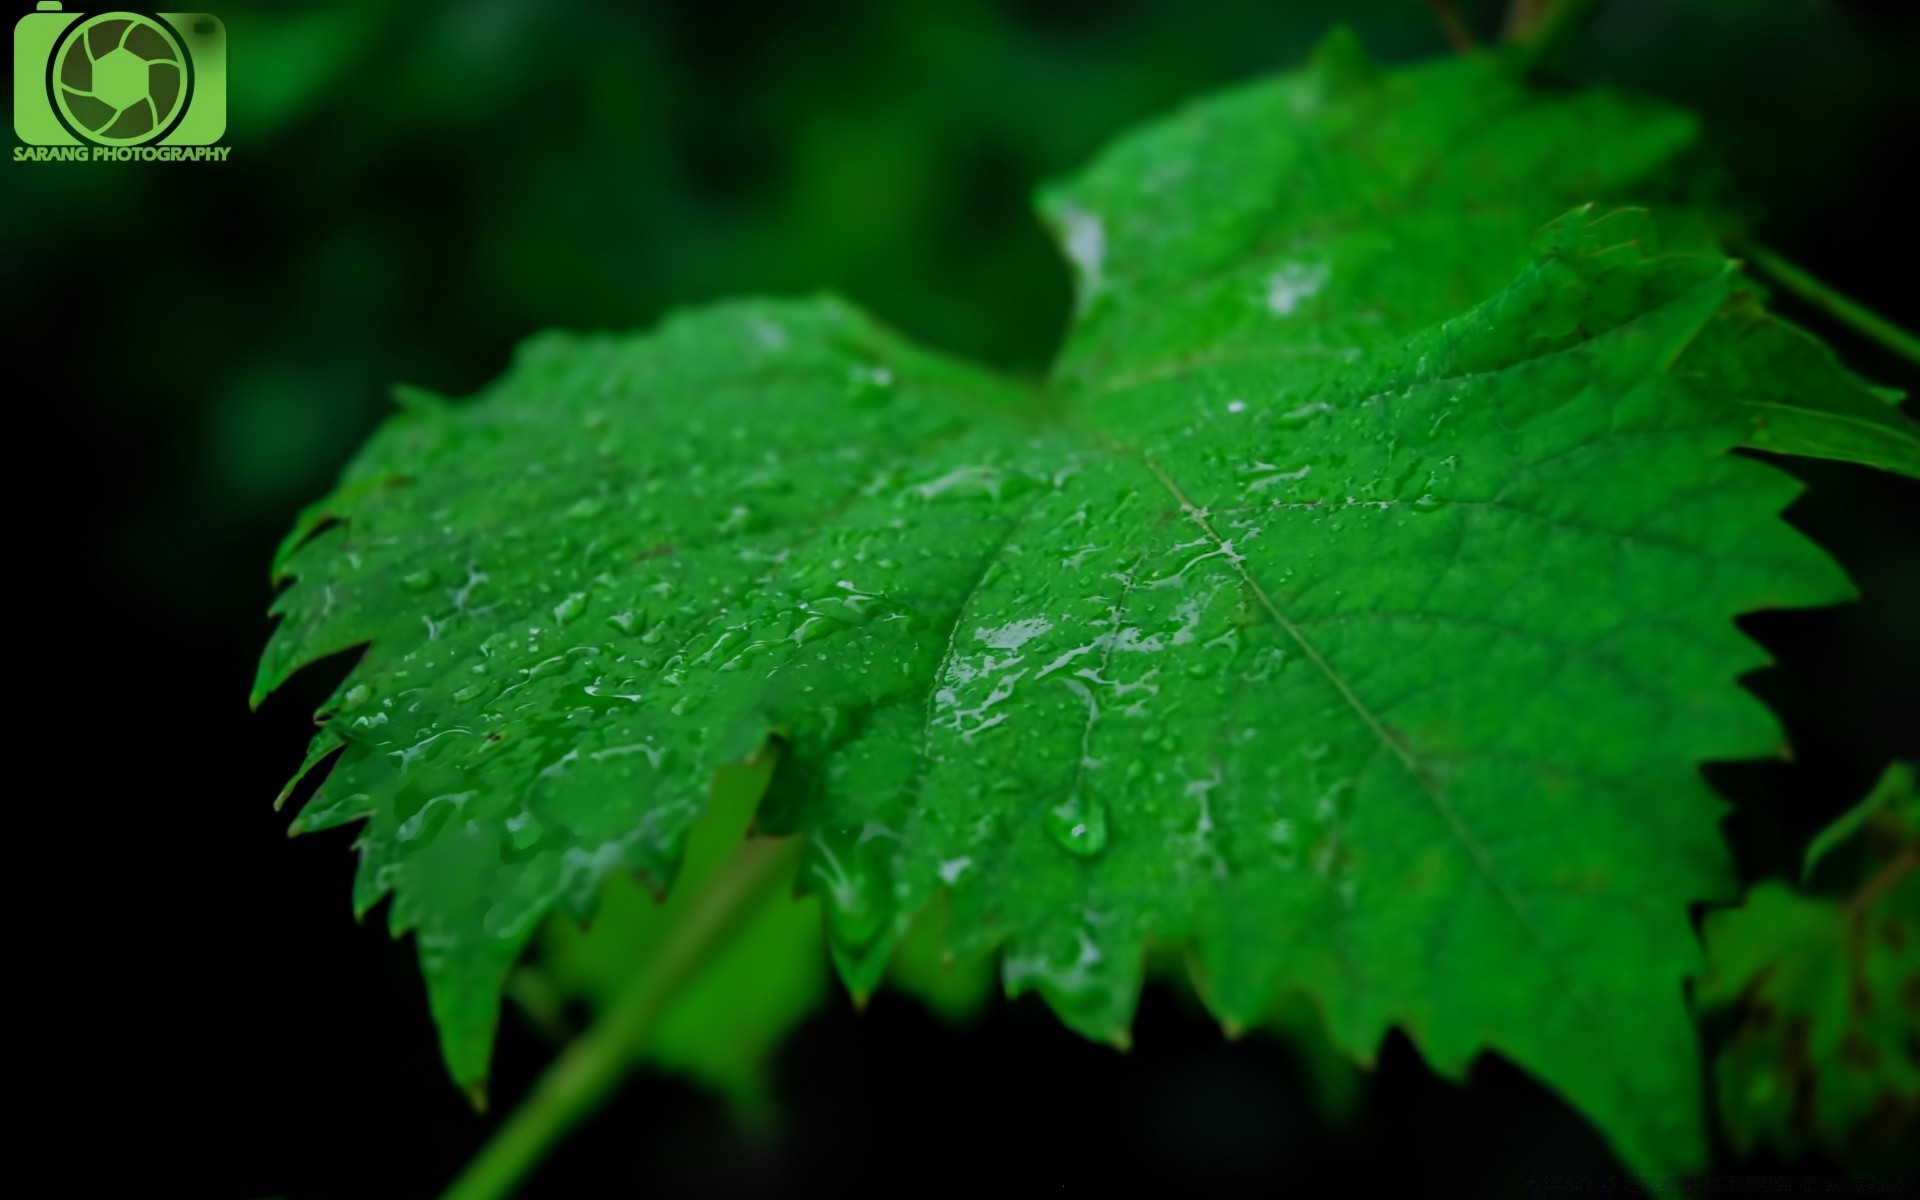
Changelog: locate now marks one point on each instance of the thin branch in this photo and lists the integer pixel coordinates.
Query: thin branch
(1898, 868)
(1854, 315)
(1450, 23)
(1521, 14)
(1546, 30)
(588, 1071)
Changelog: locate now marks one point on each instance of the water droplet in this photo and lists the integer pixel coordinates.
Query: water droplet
(569, 610)
(1295, 418)
(625, 622)
(869, 387)
(812, 629)
(854, 884)
(419, 581)
(1078, 825)
(523, 830)
(1293, 284)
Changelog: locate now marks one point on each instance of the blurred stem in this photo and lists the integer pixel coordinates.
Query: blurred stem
(1883, 881)
(588, 1071)
(1520, 15)
(1538, 37)
(1450, 22)
(1855, 316)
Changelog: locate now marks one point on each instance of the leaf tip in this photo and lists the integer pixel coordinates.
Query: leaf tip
(1339, 63)
(416, 399)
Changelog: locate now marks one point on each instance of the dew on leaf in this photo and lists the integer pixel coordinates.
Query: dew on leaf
(1294, 284)
(568, 610)
(1078, 825)
(1295, 418)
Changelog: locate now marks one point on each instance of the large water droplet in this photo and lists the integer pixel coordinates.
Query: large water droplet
(625, 622)
(1078, 825)
(523, 830)
(568, 611)
(852, 878)
(868, 387)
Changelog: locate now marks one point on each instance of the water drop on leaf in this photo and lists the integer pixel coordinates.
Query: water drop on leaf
(1078, 825)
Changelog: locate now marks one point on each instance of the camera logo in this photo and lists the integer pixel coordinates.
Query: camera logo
(127, 83)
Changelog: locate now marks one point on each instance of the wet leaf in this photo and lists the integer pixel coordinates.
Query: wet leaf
(1798, 397)
(1353, 606)
(725, 1025)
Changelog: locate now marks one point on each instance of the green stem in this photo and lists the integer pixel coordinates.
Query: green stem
(1855, 316)
(1556, 26)
(588, 1071)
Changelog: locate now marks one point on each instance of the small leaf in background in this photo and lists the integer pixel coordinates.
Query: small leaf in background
(1799, 398)
(1825, 993)
(723, 1026)
(1888, 817)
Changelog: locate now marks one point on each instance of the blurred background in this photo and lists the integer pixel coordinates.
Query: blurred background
(415, 187)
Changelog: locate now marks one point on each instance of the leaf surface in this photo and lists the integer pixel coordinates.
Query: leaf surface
(1798, 398)
(1352, 607)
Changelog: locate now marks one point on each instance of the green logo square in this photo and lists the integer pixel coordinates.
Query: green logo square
(119, 79)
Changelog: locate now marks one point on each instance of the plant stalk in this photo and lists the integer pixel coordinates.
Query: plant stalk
(1538, 41)
(1448, 15)
(589, 1070)
(1854, 315)
(1883, 880)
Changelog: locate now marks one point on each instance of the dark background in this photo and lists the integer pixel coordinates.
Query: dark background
(413, 188)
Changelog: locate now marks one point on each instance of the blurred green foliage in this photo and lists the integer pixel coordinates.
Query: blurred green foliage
(413, 188)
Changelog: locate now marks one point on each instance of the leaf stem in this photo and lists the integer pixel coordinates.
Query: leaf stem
(587, 1071)
(1854, 315)
(1537, 40)
(1448, 14)
(1883, 880)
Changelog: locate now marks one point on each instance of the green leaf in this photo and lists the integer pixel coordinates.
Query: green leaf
(1894, 804)
(724, 1026)
(1825, 992)
(1799, 398)
(1353, 606)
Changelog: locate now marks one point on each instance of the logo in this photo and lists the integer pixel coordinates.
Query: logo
(119, 86)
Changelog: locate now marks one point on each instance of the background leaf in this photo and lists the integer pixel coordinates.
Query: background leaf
(1825, 991)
